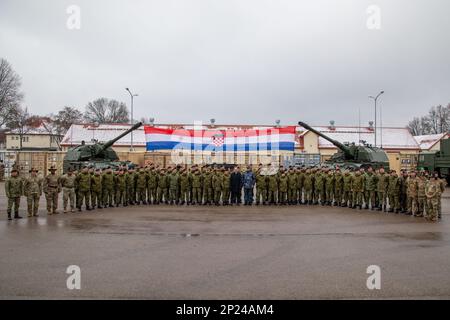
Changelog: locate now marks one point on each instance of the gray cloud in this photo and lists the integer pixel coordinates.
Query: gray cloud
(239, 61)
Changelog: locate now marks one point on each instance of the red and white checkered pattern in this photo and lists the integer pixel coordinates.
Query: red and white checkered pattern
(218, 141)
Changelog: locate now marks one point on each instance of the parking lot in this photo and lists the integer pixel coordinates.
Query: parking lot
(203, 252)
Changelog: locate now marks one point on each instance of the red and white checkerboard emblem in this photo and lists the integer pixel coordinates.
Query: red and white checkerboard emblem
(218, 140)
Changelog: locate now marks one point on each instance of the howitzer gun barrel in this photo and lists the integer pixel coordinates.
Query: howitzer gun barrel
(339, 145)
(111, 142)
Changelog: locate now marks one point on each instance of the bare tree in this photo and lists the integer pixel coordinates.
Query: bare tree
(103, 110)
(66, 117)
(10, 95)
(437, 121)
(18, 121)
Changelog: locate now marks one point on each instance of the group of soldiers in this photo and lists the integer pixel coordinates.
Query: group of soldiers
(412, 193)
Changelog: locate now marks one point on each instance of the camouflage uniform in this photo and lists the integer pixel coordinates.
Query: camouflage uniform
(67, 182)
(152, 186)
(84, 186)
(421, 196)
(226, 188)
(394, 193)
(370, 193)
(121, 189)
(329, 187)
(96, 190)
(51, 190)
(412, 189)
(283, 188)
(141, 186)
(432, 192)
(185, 185)
(108, 188)
(261, 188)
(358, 189)
(33, 190)
(319, 187)
(292, 186)
(338, 187)
(162, 187)
(403, 200)
(308, 185)
(383, 182)
(217, 186)
(348, 196)
(174, 181)
(273, 189)
(300, 184)
(196, 187)
(207, 187)
(13, 189)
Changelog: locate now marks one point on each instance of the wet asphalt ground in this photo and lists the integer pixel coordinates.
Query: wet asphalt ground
(202, 252)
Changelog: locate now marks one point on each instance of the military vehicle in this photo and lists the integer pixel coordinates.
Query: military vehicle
(437, 161)
(351, 156)
(97, 155)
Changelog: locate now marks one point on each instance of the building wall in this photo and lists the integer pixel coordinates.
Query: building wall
(30, 141)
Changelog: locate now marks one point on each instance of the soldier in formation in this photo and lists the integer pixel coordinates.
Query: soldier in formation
(411, 193)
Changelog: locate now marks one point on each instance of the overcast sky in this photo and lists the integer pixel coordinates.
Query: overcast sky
(239, 61)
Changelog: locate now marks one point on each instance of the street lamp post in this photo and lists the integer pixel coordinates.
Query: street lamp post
(132, 100)
(375, 101)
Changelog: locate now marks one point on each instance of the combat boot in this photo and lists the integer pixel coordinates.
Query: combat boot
(9, 216)
(16, 216)
(65, 210)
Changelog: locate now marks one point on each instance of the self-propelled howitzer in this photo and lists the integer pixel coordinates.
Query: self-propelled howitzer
(97, 155)
(353, 156)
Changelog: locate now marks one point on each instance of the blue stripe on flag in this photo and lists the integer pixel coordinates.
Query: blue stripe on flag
(168, 145)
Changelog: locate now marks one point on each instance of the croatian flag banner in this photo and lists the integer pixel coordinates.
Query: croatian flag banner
(220, 140)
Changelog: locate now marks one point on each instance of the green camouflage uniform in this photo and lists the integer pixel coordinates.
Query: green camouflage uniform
(432, 192)
(421, 196)
(141, 186)
(383, 182)
(394, 193)
(196, 188)
(121, 189)
(412, 189)
(283, 186)
(207, 187)
(348, 196)
(308, 185)
(108, 188)
(68, 187)
(185, 186)
(358, 189)
(329, 187)
(338, 187)
(261, 188)
(174, 181)
(217, 186)
(163, 184)
(226, 188)
(273, 189)
(96, 190)
(292, 186)
(370, 194)
(84, 187)
(51, 190)
(300, 183)
(32, 188)
(13, 189)
(319, 187)
(152, 186)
